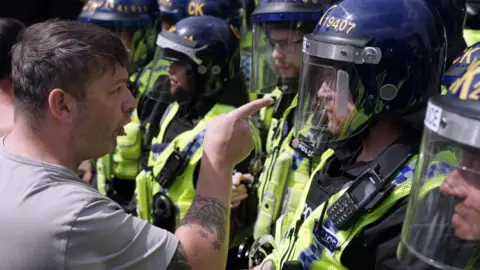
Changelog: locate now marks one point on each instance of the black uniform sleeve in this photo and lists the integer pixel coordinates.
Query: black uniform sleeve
(376, 246)
(387, 234)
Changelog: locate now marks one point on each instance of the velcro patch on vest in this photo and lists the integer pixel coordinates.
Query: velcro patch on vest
(325, 235)
(302, 147)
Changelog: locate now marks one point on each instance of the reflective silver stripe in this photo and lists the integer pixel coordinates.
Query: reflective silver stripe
(165, 43)
(344, 53)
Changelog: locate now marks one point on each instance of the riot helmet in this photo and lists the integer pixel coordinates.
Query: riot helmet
(442, 225)
(131, 20)
(171, 11)
(278, 30)
(365, 61)
(204, 55)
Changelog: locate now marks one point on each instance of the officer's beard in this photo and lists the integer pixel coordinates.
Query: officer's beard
(181, 95)
(288, 85)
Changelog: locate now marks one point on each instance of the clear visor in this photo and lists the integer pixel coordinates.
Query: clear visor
(180, 51)
(442, 226)
(277, 52)
(173, 42)
(158, 84)
(326, 104)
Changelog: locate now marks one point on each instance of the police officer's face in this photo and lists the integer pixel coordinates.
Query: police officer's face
(337, 108)
(178, 78)
(464, 186)
(103, 114)
(287, 52)
(165, 26)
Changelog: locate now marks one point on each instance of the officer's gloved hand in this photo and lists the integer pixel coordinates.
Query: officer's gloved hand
(239, 190)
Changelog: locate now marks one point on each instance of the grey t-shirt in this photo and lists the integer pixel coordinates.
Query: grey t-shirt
(50, 219)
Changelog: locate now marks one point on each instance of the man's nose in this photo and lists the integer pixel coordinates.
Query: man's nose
(130, 103)
(454, 186)
(276, 53)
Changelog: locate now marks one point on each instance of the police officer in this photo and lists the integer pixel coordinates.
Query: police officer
(364, 68)
(170, 13)
(154, 78)
(278, 30)
(442, 228)
(472, 23)
(154, 83)
(131, 20)
(206, 81)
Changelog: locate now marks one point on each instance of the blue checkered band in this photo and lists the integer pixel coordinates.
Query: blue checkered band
(406, 172)
(438, 168)
(193, 145)
(246, 62)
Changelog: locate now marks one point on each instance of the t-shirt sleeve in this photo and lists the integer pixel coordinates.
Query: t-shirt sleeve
(105, 237)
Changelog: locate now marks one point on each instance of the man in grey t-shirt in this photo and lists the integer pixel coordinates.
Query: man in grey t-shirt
(53, 220)
(70, 103)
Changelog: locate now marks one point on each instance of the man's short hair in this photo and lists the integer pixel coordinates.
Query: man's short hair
(10, 29)
(68, 55)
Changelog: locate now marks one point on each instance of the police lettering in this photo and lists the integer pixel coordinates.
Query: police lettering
(195, 8)
(93, 6)
(339, 24)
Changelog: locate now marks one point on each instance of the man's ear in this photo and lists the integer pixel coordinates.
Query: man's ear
(62, 105)
(7, 85)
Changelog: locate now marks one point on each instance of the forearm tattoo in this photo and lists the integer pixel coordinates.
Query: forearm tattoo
(179, 260)
(212, 215)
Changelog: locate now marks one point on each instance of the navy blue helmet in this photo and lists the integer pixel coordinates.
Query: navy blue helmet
(278, 30)
(209, 45)
(121, 15)
(172, 11)
(133, 21)
(367, 60)
(226, 9)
